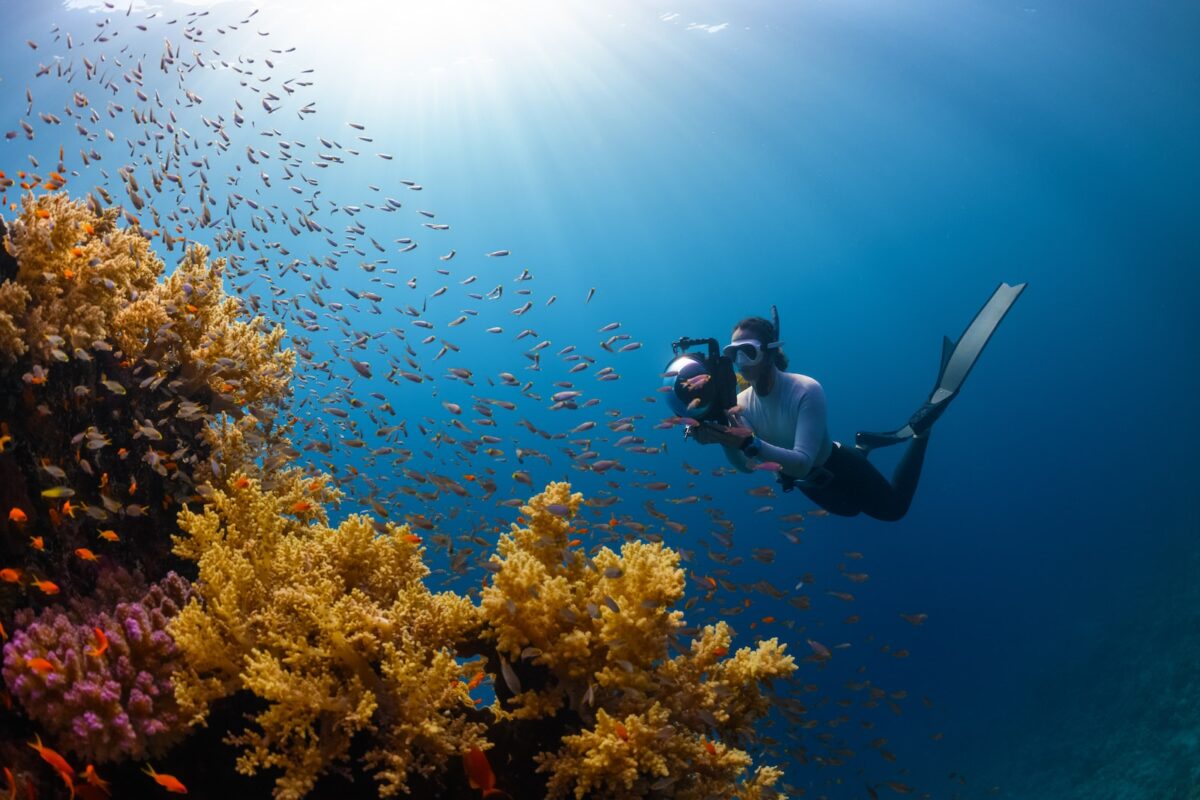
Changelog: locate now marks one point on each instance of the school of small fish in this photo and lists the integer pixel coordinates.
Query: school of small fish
(400, 391)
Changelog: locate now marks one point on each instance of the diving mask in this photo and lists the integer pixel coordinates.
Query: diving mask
(748, 352)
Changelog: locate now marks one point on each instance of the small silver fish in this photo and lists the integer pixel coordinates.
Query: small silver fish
(510, 677)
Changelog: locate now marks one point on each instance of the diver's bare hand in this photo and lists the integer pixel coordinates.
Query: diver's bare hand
(712, 433)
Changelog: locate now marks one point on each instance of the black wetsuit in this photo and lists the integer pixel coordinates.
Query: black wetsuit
(848, 484)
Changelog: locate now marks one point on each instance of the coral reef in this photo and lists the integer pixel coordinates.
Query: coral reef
(332, 627)
(106, 428)
(190, 326)
(335, 630)
(601, 626)
(82, 280)
(76, 271)
(120, 386)
(140, 420)
(107, 696)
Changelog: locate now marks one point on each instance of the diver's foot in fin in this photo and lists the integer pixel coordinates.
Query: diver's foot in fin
(957, 360)
(926, 415)
(866, 441)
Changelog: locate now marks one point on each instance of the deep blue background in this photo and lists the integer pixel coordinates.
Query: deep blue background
(874, 169)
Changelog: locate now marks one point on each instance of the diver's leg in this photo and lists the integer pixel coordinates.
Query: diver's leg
(837, 496)
(856, 486)
(864, 486)
(904, 479)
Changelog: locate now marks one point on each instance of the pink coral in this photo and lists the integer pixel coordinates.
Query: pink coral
(119, 704)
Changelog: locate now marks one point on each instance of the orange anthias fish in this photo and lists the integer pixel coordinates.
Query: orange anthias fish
(479, 773)
(168, 782)
(101, 644)
(55, 760)
(10, 575)
(85, 554)
(90, 775)
(40, 664)
(47, 587)
(17, 515)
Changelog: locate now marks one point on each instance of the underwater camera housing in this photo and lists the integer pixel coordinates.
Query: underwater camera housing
(700, 386)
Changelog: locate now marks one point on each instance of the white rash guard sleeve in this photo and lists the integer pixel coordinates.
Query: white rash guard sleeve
(790, 423)
(737, 458)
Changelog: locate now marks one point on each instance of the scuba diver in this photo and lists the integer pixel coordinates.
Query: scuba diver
(779, 420)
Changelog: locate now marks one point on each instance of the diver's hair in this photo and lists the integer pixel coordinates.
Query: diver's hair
(765, 331)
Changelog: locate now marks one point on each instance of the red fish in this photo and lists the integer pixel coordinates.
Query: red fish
(47, 587)
(90, 775)
(479, 773)
(168, 782)
(56, 761)
(101, 644)
(41, 665)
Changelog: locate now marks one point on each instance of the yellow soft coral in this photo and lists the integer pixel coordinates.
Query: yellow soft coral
(77, 270)
(583, 615)
(601, 626)
(190, 311)
(82, 280)
(14, 300)
(332, 627)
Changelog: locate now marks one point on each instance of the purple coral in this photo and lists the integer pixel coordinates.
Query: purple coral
(117, 705)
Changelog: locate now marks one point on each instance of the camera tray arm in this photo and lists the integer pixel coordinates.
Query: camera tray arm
(687, 343)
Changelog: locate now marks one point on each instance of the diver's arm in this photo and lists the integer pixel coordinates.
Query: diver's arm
(737, 458)
(729, 439)
(733, 453)
(810, 432)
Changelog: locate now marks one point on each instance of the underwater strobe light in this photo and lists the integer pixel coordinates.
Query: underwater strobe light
(701, 386)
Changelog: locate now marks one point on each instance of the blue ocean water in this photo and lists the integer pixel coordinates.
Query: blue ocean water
(874, 170)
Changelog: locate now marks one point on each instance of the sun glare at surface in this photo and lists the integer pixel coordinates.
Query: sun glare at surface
(410, 38)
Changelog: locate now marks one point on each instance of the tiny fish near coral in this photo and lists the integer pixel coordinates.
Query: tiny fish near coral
(479, 773)
(168, 782)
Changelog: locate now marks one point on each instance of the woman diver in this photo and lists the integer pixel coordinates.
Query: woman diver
(780, 417)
